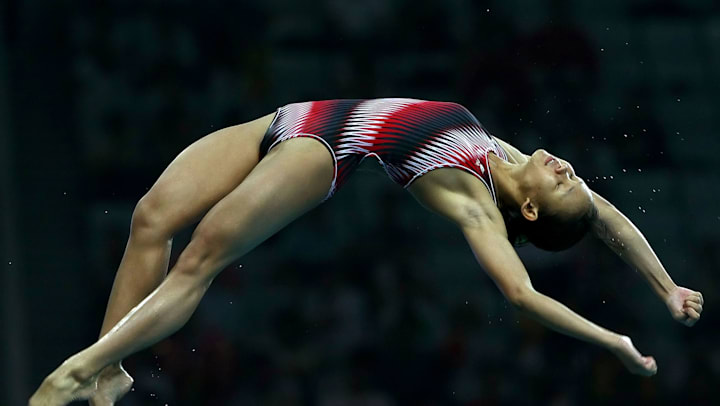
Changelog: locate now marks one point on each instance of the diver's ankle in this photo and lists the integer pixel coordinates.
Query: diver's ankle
(80, 370)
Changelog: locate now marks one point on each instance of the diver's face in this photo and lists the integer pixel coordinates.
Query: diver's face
(551, 182)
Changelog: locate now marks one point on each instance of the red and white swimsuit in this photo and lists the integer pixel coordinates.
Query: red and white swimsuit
(409, 137)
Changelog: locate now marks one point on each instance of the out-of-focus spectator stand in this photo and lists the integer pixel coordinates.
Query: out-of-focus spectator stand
(369, 299)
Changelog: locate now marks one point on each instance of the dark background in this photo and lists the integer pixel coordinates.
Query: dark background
(368, 299)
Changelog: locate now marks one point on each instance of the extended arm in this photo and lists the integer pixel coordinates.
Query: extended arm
(623, 238)
(626, 241)
(621, 235)
(497, 256)
(499, 259)
(475, 213)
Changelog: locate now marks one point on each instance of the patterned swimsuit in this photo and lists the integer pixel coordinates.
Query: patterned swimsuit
(409, 137)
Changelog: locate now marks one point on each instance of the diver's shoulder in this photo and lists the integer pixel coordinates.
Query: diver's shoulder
(456, 195)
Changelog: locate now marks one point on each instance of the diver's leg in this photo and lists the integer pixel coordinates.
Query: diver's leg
(201, 175)
(195, 180)
(293, 178)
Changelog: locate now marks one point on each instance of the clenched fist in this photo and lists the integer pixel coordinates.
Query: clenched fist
(685, 305)
(632, 358)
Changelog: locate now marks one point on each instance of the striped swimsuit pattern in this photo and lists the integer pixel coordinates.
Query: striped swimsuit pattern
(409, 137)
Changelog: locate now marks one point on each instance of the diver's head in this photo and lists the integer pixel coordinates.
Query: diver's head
(557, 207)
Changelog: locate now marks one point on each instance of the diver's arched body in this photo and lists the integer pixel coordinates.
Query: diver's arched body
(245, 193)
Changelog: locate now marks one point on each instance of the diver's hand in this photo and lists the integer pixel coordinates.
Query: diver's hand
(635, 362)
(685, 305)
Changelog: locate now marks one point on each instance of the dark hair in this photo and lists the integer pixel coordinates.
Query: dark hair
(550, 232)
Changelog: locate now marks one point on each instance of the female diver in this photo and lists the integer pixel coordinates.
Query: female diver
(248, 181)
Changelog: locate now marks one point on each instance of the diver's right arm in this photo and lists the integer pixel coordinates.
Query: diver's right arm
(497, 256)
(475, 213)
(487, 238)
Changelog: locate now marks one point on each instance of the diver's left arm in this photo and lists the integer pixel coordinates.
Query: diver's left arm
(623, 238)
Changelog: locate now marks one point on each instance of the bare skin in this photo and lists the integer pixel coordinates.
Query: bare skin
(261, 197)
(530, 183)
(273, 194)
(201, 175)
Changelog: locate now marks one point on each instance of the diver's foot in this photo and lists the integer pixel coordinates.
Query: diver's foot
(112, 384)
(62, 386)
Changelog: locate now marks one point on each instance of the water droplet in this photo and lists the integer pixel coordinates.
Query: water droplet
(611, 177)
(630, 190)
(466, 302)
(500, 318)
(603, 301)
(193, 350)
(678, 99)
(639, 170)
(106, 211)
(627, 43)
(641, 62)
(602, 49)
(637, 107)
(488, 10)
(625, 135)
(604, 177)
(64, 193)
(231, 302)
(9, 262)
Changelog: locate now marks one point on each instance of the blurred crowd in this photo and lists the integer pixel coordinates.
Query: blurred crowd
(369, 299)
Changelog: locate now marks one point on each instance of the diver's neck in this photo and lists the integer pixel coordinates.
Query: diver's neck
(505, 177)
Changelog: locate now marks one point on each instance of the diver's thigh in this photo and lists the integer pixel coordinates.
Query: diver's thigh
(203, 173)
(287, 183)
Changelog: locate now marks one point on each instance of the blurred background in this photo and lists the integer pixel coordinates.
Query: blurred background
(368, 299)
